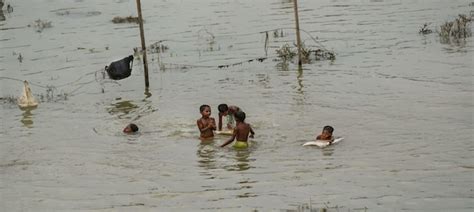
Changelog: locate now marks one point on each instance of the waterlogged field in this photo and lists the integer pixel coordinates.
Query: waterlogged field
(402, 100)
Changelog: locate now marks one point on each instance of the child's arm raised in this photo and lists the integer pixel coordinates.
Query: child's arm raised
(212, 124)
(201, 126)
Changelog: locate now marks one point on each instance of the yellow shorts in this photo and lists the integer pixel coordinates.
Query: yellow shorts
(241, 145)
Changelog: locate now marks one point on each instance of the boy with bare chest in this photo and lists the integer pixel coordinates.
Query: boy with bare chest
(241, 132)
(206, 124)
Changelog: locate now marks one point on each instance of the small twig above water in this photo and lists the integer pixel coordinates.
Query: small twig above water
(40, 25)
(425, 30)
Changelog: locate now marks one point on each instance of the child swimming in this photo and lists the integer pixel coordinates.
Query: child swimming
(131, 128)
(326, 134)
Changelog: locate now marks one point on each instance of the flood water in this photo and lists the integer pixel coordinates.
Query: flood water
(403, 101)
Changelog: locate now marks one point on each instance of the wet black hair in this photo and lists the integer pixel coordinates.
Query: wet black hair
(239, 116)
(134, 127)
(223, 108)
(329, 129)
(203, 107)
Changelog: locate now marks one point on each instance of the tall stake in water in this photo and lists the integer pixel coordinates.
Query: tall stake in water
(142, 36)
(298, 39)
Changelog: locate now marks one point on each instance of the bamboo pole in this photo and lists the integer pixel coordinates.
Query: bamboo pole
(142, 36)
(298, 38)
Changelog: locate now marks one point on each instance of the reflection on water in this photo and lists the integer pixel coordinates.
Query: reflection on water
(328, 151)
(27, 117)
(299, 78)
(206, 156)
(283, 66)
(2, 16)
(242, 161)
(147, 93)
(122, 108)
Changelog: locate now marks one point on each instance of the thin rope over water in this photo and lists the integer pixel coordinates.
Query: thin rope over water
(100, 75)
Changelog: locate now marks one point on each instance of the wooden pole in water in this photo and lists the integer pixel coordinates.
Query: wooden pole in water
(298, 38)
(142, 36)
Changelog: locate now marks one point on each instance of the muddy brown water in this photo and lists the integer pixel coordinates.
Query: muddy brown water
(403, 101)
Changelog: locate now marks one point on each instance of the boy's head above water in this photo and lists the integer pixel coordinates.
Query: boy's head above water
(240, 116)
(223, 108)
(131, 128)
(329, 129)
(326, 134)
(205, 110)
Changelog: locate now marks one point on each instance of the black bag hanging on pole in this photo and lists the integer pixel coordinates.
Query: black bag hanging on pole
(120, 69)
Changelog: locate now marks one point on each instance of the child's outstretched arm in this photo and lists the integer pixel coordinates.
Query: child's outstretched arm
(230, 139)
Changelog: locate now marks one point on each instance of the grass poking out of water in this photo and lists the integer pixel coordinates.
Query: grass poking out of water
(128, 19)
(286, 53)
(456, 29)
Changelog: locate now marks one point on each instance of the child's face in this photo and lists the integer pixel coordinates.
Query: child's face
(127, 129)
(326, 135)
(206, 112)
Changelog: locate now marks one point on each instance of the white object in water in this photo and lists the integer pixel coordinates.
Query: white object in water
(225, 132)
(321, 143)
(27, 100)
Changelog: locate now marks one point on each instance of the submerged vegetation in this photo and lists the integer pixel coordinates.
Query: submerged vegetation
(457, 29)
(128, 19)
(48, 96)
(286, 52)
(40, 25)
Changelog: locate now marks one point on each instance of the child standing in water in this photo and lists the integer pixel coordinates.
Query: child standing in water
(227, 112)
(241, 132)
(326, 135)
(206, 124)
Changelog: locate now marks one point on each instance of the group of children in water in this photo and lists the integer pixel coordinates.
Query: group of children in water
(238, 128)
(233, 119)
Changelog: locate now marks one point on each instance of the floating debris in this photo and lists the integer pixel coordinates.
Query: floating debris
(27, 100)
(128, 19)
(425, 30)
(40, 25)
(78, 14)
(278, 33)
(9, 99)
(320, 54)
(287, 53)
(157, 47)
(459, 28)
(20, 58)
(50, 96)
(120, 69)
